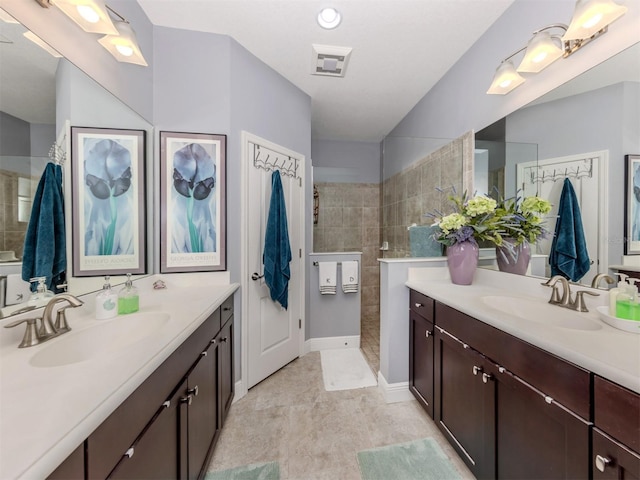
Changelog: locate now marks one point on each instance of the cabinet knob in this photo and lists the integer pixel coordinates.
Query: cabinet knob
(486, 377)
(602, 462)
(418, 305)
(477, 370)
(188, 399)
(427, 333)
(193, 391)
(224, 339)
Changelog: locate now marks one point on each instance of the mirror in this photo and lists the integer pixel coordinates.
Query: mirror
(40, 96)
(572, 131)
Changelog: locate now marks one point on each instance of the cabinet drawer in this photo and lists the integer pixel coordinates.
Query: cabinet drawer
(617, 412)
(107, 444)
(421, 304)
(612, 460)
(226, 310)
(567, 383)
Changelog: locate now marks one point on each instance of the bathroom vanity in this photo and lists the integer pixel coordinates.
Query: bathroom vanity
(152, 408)
(520, 398)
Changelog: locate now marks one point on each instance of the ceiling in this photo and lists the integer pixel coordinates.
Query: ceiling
(401, 48)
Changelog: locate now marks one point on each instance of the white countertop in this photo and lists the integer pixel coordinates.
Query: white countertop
(604, 350)
(45, 413)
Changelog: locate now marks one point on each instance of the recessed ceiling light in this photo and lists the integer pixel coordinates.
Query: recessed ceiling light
(329, 18)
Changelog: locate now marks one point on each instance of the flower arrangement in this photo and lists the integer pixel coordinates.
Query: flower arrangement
(522, 221)
(474, 220)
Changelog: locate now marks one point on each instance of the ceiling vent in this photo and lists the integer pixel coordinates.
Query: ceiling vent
(329, 60)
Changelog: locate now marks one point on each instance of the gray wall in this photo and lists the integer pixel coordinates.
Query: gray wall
(14, 136)
(339, 161)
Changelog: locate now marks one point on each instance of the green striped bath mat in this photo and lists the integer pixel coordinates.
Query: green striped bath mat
(418, 460)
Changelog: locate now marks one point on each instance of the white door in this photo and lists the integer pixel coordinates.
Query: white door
(546, 177)
(273, 335)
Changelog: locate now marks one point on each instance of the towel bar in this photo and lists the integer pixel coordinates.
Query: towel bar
(315, 263)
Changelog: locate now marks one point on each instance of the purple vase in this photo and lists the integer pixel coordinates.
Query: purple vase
(462, 260)
(513, 258)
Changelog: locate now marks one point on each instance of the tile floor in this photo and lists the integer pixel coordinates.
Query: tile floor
(315, 434)
(370, 341)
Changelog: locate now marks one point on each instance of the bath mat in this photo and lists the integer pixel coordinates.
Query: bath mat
(418, 460)
(258, 471)
(345, 369)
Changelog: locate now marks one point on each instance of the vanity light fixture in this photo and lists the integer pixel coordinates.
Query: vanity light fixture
(329, 18)
(91, 15)
(590, 20)
(506, 78)
(592, 16)
(542, 50)
(123, 46)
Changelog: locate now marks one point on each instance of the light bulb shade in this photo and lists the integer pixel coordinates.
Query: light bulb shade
(590, 16)
(505, 79)
(124, 46)
(542, 51)
(91, 15)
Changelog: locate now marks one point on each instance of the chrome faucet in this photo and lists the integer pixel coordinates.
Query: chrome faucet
(555, 295)
(602, 276)
(61, 326)
(33, 335)
(566, 301)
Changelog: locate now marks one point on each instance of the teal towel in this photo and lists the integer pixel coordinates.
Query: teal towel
(277, 251)
(45, 251)
(569, 256)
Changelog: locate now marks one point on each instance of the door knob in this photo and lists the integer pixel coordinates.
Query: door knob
(256, 276)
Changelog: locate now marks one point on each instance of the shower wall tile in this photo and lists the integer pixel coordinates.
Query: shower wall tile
(349, 220)
(409, 194)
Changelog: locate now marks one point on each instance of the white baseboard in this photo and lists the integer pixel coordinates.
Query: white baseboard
(394, 392)
(240, 391)
(326, 343)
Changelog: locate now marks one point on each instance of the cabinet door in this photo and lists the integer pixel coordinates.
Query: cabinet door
(225, 369)
(465, 404)
(421, 360)
(156, 453)
(72, 468)
(612, 460)
(202, 386)
(536, 438)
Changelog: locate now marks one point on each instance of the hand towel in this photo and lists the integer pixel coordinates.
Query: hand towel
(327, 277)
(277, 250)
(45, 251)
(17, 290)
(350, 276)
(569, 256)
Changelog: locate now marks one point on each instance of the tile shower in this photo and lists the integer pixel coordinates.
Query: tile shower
(360, 216)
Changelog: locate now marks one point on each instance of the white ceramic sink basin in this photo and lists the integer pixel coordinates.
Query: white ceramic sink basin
(105, 337)
(540, 311)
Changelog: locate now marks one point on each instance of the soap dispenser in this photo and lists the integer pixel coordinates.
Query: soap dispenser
(128, 299)
(613, 293)
(106, 302)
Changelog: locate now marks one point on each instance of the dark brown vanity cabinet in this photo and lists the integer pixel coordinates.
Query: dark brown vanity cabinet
(167, 428)
(510, 409)
(421, 342)
(616, 434)
(465, 403)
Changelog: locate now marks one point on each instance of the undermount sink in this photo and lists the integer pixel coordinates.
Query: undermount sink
(106, 337)
(539, 311)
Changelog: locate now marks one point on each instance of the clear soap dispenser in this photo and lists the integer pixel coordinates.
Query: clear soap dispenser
(106, 302)
(128, 299)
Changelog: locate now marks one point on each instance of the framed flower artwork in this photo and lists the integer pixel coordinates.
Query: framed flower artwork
(108, 201)
(192, 202)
